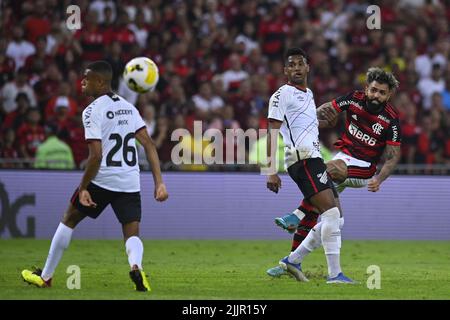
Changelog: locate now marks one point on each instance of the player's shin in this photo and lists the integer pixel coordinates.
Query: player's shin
(331, 240)
(303, 229)
(309, 244)
(60, 242)
(135, 251)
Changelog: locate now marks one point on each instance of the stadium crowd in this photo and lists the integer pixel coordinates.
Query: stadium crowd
(219, 62)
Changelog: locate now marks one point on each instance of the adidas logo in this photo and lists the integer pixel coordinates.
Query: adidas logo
(323, 177)
(355, 117)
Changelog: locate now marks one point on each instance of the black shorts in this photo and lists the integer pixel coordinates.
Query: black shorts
(311, 176)
(126, 205)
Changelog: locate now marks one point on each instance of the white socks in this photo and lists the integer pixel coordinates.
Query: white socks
(299, 214)
(331, 240)
(330, 231)
(135, 251)
(60, 242)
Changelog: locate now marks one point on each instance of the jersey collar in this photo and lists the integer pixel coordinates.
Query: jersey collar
(297, 86)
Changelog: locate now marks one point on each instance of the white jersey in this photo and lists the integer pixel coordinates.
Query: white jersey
(300, 129)
(114, 121)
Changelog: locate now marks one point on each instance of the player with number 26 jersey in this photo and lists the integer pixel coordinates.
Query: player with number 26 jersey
(114, 121)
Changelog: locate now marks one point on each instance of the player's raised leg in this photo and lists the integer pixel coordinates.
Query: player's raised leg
(337, 170)
(308, 219)
(60, 242)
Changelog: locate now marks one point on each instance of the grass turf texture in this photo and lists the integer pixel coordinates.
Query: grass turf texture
(228, 270)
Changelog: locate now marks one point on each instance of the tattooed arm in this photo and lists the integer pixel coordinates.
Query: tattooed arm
(391, 156)
(327, 115)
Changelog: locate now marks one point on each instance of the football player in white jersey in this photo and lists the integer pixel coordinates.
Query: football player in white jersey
(292, 112)
(111, 176)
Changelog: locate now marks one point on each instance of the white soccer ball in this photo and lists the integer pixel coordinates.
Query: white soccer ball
(141, 74)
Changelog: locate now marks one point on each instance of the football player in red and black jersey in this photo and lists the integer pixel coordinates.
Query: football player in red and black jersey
(372, 132)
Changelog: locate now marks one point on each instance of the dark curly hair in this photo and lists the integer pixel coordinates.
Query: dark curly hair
(382, 76)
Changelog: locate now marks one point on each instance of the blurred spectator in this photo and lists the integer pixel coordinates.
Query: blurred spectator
(38, 24)
(54, 153)
(7, 64)
(63, 100)
(30, 134)
(429, 144)
(140, 29)
(99, 7)
(425, 63)
(233, 77)
(73, 134)
(446, 93)
(247, 39)
(124, 36)
(8, 149)
(91, 38)
(206, 104)
(117, 63)
(10, 91)
(410, 133)
(428, 86)
(19, 49)
(36, 63)
(17, 117)
(61, 115)
(50, 83)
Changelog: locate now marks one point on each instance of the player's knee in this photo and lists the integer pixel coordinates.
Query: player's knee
(330, 231)
(337, 169)
(330, 219)
(130, 229)
(72, 217)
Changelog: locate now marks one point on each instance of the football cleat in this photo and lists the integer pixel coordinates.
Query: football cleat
(341, 278)
(288, 222)
(294, 269)
(276, 272)
(140, 280)
(34, 277)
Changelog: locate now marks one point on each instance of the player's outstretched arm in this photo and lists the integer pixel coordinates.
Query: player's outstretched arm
(391, 156)
(327, 116)
(92, 166)
(152, 156)
(273, 180)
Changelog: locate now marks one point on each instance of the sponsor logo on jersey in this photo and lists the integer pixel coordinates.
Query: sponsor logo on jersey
(300, 95)
(350, 102)
(123, 112)
(275, 99)
(384, 119)
(376, 127)
(87, 117)
(394, 133)
(110, 115)
(323, 177)
(358, 134)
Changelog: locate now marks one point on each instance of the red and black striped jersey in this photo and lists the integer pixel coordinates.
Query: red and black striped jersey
(366, 134)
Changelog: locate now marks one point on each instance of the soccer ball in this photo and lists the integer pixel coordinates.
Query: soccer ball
(141, 74)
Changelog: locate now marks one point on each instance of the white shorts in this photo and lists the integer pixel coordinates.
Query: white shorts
(359, 172)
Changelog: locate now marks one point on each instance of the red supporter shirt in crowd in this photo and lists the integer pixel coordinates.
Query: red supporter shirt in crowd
(30, 137)
(93, 42)
(36, 27)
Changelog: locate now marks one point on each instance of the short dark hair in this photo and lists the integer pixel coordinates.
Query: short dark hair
(382, 76)
(101, 67)
(295, 51)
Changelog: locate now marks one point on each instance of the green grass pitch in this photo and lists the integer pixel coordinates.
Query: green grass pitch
(228, 270)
